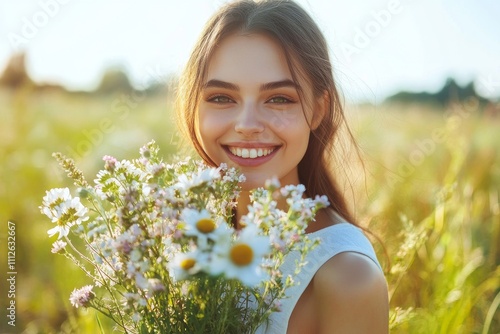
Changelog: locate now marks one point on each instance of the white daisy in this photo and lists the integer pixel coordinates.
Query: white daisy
(200, 224)
(243, 258)
(187, 264)
(53, 200)
(67, 214)
(188, 181)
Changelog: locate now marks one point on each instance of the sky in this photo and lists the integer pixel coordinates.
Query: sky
(378, 47)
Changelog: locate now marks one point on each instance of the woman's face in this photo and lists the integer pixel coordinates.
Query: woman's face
(250, 115)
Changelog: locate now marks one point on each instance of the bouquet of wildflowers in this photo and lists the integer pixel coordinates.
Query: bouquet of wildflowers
(160, 246)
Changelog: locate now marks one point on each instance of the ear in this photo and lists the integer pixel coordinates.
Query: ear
(320, 110)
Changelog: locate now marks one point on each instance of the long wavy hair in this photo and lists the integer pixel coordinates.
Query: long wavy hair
(307, 55)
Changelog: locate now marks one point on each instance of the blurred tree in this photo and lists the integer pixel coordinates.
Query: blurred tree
(114, 80)
(15, 74)
(451, 92)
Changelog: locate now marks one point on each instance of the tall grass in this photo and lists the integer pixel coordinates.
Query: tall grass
(439, 220)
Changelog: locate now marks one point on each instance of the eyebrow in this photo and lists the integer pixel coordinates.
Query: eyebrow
(286, 83)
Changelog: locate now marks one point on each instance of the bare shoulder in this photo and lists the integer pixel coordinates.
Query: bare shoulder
(350, 271)
(350, 294)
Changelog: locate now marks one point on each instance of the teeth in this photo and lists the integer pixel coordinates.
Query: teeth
(250, 152)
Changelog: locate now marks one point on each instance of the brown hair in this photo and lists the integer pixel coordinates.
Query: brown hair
(307, 55)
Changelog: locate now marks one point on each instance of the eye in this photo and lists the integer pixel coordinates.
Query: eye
(280, 100)
(220, 99)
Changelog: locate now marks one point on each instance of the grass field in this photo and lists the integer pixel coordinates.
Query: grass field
(431, 196)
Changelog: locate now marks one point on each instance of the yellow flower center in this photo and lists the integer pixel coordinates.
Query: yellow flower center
(57, 202)
(67, 217)
(187, 264)
(241, 254)
(205, 225)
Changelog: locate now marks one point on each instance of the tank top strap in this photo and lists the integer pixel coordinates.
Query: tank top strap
(335, 239)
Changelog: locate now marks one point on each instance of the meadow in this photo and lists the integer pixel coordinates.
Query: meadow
(430, 198)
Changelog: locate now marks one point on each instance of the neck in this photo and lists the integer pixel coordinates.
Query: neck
(242, 208)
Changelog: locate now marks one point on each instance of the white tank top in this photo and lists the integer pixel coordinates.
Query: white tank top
(335, 239)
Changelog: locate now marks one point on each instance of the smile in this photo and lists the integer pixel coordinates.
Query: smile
(251, 153)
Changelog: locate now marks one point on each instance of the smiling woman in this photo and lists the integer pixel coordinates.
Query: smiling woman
(250, 105)
(258, 94)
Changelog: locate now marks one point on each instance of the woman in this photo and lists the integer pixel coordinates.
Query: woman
(258, 93)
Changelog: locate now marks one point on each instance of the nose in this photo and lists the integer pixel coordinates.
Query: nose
(248, 121)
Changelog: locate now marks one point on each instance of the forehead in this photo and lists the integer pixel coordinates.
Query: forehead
(249, 58)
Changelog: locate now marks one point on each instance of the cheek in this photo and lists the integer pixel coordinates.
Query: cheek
(280, 120)
(291, 124)
(294, 131)
(299, 139)
(206, 126)
(210, 127)
(292, 119)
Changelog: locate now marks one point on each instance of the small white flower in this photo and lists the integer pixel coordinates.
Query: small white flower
(109, 163)
(322, 200)
(154, 286)
(126, 170)
(277, 306)
(135, 255)
(170, 248)
(58, 247)
(243, 258)
(294, 205)
(144, 265)
(130, 269)
(66, 214)
(136, 317)
(130, 296)
(146, 189)
(53, 200)
(187, 264)
(82, 297)
(209, 174)
(54, 195)
(158, 229)
(272, 183)
(155, 169)
(200, 224)
(135, 231)
(141, 281)
(186, 182)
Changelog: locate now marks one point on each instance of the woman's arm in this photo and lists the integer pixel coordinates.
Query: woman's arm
(350, 296)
